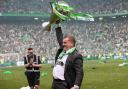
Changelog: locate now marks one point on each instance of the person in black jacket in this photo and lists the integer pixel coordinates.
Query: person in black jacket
(68, 68)
(32, 64)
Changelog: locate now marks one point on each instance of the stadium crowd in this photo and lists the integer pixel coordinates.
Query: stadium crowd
(92, 37)
(90, 6)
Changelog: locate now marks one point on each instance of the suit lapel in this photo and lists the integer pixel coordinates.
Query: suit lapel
(58, 53)
(68, 61)
(70, 58)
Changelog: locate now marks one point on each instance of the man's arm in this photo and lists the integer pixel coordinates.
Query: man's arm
(59, 34)
(39, 65)
(26, 64)
(79, 71)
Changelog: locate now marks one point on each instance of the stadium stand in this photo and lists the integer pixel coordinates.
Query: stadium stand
(95, 36)
(92, 37)
(91, 6)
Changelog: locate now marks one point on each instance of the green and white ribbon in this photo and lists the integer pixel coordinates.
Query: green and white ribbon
(63, 53)
(66, 12)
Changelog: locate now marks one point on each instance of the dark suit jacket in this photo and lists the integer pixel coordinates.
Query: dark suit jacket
(74, 64)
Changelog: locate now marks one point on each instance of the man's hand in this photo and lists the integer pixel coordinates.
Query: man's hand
(34, 65)
(28, 65)
(58, 21)
(75, 87)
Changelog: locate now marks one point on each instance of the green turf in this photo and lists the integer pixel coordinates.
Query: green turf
(98, 75)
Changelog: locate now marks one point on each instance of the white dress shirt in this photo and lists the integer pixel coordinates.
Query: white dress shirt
(59, 68)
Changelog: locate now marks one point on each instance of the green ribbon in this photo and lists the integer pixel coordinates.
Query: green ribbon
(66, 12)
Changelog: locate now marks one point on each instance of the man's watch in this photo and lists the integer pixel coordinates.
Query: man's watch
(76, 87)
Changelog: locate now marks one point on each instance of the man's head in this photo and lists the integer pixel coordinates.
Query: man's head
(30, 51)
(68, 42)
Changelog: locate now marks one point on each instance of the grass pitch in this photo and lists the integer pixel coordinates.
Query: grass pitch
(97, 75)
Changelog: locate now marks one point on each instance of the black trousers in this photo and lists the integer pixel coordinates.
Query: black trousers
(59, 84)
(33, 78)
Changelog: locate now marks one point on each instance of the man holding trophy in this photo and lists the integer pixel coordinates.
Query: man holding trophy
(68, 69)
(32, 64)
